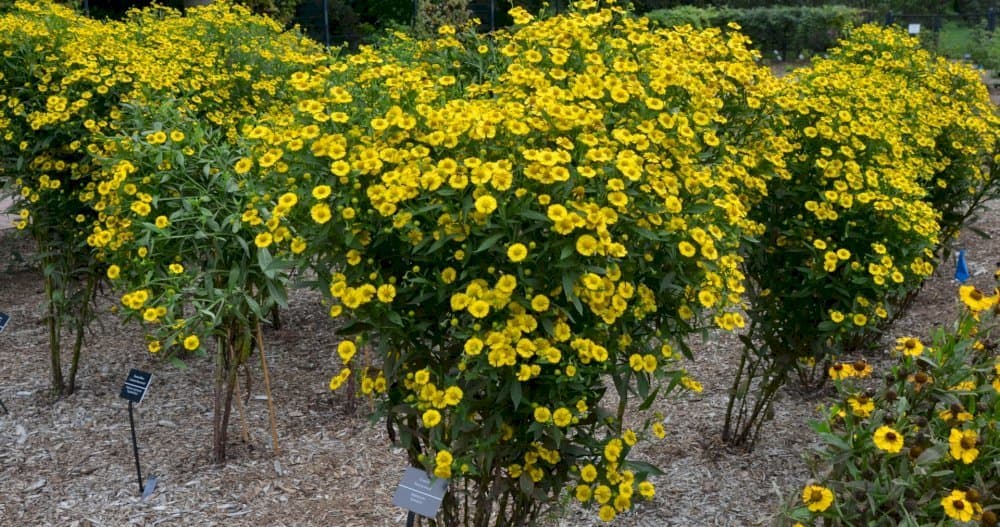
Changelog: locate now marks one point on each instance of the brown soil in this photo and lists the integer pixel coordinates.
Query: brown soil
(69, 462)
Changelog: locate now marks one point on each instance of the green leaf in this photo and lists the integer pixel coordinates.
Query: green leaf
(533, 215)
(641, 467)
(278, 294)
(646, 403)
(567, 283)
(264, 258)
(515, 393)
(566, 252)
(489, 242)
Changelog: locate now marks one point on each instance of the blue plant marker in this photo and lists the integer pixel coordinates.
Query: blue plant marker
(961, 268)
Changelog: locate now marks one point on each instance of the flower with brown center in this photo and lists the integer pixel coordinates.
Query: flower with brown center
(888, 439)
(817, 498)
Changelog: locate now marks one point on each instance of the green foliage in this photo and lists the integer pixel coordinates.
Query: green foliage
(779, 31)
(942, 401)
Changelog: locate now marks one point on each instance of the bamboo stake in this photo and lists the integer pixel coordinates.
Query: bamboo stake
(267, 389)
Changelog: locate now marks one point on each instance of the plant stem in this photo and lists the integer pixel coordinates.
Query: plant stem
(81, 327)
(58, 385)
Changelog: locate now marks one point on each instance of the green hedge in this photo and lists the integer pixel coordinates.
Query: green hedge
(896, 6)
(785, 30)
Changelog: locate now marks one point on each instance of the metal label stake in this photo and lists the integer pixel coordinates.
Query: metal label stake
(4, 320)
(135, 390)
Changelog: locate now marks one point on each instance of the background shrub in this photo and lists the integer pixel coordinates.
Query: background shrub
(779, 31)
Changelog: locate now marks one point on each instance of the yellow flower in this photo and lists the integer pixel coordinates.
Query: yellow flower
(263, 240)
(602, 494)
(473, 346)
(647, 490)
(540, 303)
(607, 513)
(346, 349)
(517, 252)
(910, 346)
(562, 417)
(431, 418)
(629, 437)
(686, 248)
(542, 414)
(479, 309)
(191, 343)
(176, 136)
(841, 370)
(150, 314)
(859, 319)
(298, 245)
(243, 165)
(486, 204)
(588, 473)
(176, 268)
(659, 431)
(320, 213)
(963, 445)
(583, 493)
(586, 245)
(386, 293)
(817, 498)
(321, 191)
(975, 300)
(861, 406)
(338, 380)
(154, 346)
(162, 222)
(888, 439)
(114, 272)
(442, 461)
(957, 506)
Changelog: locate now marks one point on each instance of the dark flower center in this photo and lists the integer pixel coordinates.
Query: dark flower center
(958, 504)
(920, 377)
(910, 344)
(890, 437)
(816, 495)
(976, 295)
(968, 442)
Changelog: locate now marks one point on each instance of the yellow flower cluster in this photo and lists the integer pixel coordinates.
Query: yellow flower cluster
(546, 205)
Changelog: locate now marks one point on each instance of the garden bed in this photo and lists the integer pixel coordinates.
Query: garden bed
(69, 462)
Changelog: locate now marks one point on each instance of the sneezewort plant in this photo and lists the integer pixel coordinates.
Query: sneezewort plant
(509, 225)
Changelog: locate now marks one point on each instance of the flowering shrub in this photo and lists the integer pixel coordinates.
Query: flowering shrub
(954, 109)
(873, 152)
(509, 223)
(174, 242)
(103, 168)
(42, 108)
(922, 449)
